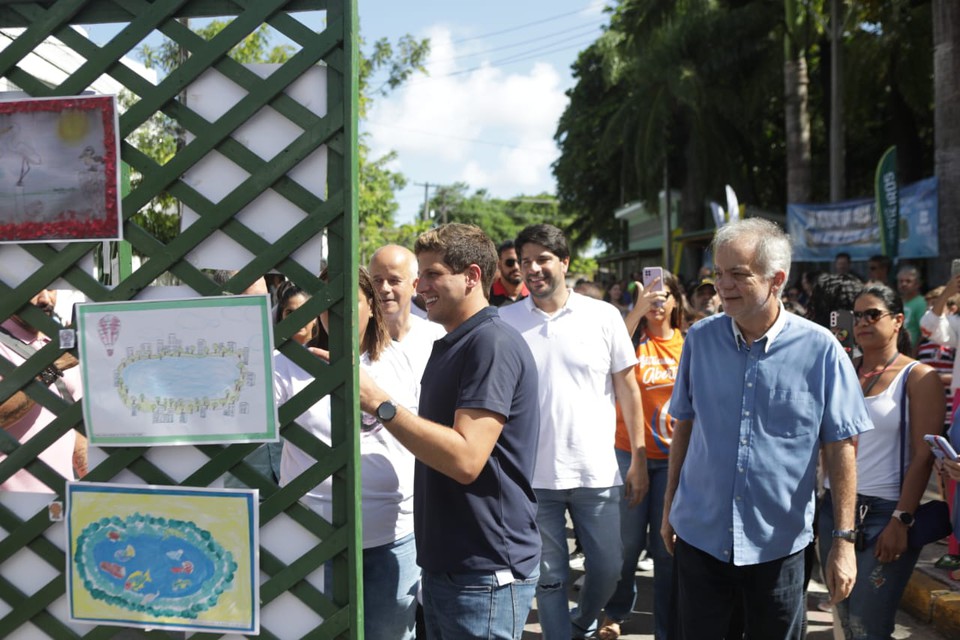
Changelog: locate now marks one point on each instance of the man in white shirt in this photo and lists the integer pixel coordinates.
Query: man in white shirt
(585, 361)
(394, 272)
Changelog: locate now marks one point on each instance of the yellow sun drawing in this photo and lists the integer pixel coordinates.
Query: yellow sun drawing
(73, 126)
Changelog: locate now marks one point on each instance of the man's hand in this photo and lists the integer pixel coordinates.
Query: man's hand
(65, 361)
(841, 570)
(637, 482)
(666, 531)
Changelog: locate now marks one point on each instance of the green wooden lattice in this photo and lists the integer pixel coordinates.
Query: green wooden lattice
(333, 45)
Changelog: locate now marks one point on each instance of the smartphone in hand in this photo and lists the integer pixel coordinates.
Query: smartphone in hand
(649, 275)
(653, 281)
(841, 324)
(941, 447)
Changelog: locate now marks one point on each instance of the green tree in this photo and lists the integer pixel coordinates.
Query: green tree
(675, 88)
(501, 219)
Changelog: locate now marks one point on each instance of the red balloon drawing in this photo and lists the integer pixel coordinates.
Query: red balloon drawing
(108, 328)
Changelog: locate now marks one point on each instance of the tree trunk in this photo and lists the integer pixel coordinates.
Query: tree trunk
(796, 89)
(946, 122)
(796, 85)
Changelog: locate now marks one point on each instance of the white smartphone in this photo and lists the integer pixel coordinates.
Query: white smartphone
(941, 447)
(955, 268)
(649, 275)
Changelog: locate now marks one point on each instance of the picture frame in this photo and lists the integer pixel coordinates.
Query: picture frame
(156, 557)
(59, 170)
(177, 372)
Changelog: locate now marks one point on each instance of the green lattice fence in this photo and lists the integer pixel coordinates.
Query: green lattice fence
(294, 541)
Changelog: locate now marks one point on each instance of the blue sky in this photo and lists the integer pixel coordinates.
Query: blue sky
(487, 112)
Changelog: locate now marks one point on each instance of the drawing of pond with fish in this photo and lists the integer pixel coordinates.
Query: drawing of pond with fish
(171, 557)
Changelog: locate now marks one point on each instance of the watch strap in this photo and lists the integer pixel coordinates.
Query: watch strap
(903, 516)
(849, 535)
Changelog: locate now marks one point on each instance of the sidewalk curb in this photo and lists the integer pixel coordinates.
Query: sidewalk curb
(933, 601)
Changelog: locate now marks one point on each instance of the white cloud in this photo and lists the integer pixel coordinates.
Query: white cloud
(492, 128)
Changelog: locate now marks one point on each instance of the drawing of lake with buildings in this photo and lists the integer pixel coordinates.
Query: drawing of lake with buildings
(182, 372)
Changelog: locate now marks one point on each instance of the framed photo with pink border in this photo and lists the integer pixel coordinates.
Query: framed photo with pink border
(59, 169)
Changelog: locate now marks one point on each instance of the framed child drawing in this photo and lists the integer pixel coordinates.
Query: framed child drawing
(59, 170)
(174, 558)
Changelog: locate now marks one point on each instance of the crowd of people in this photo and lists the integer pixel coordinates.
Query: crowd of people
(722, 428)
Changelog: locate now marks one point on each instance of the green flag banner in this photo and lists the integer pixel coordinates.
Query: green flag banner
(888, 202)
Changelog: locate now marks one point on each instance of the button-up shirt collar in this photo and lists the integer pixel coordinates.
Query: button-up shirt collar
(769, 336)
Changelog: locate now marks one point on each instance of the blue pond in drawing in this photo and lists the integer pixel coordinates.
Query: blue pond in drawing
(160, 566)
(183, 380)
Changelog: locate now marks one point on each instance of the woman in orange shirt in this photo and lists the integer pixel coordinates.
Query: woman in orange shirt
(655, 322)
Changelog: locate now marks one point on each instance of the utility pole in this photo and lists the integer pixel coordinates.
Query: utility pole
(426, 198)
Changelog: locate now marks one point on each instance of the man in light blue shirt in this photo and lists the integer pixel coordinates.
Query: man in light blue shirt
(759, 392)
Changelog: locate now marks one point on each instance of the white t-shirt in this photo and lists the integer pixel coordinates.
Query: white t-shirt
(577, 349)
(418, 344)
(386, 467)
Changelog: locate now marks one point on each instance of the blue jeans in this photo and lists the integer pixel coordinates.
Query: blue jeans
(472, 605)
(390, 578)
(869, 612)
(709, 590)
(596, 518)
(634, 525)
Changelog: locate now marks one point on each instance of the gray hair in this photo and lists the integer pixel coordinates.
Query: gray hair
(773, 249)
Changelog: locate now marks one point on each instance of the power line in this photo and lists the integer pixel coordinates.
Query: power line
(519, 27)
(527, 55)
(584, 28)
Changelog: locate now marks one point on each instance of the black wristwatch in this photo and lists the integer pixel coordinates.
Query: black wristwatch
(903, 516)
(387, 411)
(850, 535)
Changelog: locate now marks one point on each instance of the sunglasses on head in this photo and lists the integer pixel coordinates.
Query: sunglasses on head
(511, 262)
(871, 315)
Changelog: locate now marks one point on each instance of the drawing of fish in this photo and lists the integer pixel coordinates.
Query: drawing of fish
(137, 580)
(150, 597)
(185, 567)
(113, 569)
(180, 584)
(175, 555)
(125, 554)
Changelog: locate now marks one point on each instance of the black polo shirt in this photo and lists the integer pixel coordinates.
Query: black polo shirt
(490, 524)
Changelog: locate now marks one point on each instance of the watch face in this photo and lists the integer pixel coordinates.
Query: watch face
(386, 411)
(906, 519)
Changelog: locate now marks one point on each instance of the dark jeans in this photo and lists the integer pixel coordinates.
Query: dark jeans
(708, 590)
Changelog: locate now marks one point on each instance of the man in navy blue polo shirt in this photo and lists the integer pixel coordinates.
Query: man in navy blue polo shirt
(759, 392)
(475, 441)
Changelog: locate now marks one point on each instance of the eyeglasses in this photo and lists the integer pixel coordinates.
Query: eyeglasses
(870, 315)
(511, 262)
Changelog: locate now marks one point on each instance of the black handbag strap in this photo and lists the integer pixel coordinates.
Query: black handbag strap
(903, 420)
(26, 351)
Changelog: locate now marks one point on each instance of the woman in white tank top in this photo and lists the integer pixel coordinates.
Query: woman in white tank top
(885, 560)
